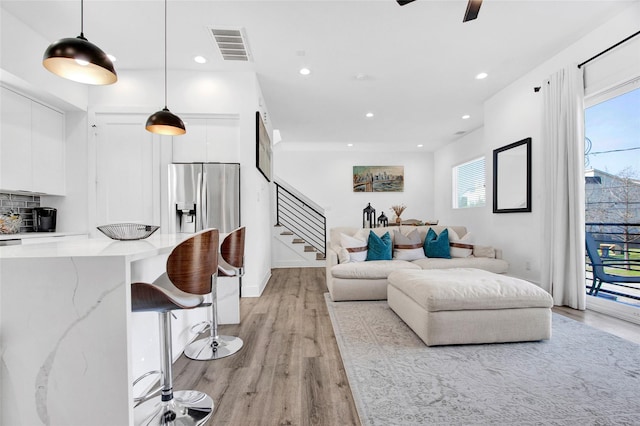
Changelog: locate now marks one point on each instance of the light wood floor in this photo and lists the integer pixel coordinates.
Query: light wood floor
(289, 371)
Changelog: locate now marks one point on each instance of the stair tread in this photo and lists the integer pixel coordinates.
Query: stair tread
(286, 233)
(298, 241)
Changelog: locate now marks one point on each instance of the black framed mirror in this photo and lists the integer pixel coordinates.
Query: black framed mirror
(512, 177)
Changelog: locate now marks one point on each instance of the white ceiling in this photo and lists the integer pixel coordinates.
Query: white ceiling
(419, 61)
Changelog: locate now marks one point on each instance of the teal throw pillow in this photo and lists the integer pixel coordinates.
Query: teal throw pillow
(380, 248)
(436, 245)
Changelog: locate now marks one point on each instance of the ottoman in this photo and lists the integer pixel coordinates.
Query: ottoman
(465, 305)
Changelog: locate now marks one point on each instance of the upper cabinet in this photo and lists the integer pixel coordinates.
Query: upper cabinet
(15, 142)
(32, 148)
(47, 150)
(127, 170)
(208, 140)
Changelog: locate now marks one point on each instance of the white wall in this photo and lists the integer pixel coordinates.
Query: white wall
(469, 147)
(326, 176)
(21, 66)
(513, 114)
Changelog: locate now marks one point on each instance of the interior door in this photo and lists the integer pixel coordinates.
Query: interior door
(127, 171)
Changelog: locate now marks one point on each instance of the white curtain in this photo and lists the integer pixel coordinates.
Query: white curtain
(563, 265)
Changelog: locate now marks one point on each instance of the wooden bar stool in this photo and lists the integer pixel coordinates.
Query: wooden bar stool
(230, 264)
(231, 256)
(191, 268)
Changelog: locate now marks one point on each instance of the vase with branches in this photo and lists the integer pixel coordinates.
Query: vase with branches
(398, 209)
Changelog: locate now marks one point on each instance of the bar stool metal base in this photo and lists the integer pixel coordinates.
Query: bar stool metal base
(187, 408)
(209, 349)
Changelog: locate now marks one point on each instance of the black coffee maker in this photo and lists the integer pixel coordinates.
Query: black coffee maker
(44, 219)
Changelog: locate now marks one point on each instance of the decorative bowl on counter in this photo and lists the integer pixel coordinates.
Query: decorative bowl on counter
(127, 231)
(10, 223)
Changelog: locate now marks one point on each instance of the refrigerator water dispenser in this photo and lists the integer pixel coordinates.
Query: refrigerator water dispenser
(186, 217)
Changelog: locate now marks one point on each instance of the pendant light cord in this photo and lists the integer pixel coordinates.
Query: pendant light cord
(82, 18)
(165, 54)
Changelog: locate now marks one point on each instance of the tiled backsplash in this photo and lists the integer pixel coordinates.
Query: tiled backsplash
(21, 204)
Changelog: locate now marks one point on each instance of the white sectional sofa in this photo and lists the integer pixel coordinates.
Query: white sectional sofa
(367, 280)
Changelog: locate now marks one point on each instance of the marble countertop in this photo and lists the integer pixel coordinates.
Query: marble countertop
(25, 235)
(104, 247)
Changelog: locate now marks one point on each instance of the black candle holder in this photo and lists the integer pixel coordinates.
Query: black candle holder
(383, 220)
(369, 217)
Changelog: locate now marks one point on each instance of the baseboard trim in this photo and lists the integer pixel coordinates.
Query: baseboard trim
(253, 290)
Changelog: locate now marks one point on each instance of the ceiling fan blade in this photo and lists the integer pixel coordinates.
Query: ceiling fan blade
(403, 2)
(473, 7)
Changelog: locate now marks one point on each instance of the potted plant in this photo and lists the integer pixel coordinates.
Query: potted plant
(398, 209)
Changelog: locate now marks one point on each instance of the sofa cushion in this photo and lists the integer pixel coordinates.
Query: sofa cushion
(484, 251)
(334, 233)
(468, 289)
(356, 247)
(407, 247)
(437, 245)
(379, 269)
(498, 266)
(460, 246)
(343, 255)
(379, 248)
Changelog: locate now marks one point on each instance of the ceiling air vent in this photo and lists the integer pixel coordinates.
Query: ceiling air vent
(232, 44)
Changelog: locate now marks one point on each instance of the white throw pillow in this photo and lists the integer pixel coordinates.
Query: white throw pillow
(460, 247)
(484, 251)
(343, 256)
(407, 247)
(357, 248)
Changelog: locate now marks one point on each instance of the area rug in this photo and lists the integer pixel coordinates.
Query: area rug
(582, 376)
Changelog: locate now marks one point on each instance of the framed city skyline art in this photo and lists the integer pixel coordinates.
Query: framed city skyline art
(378, 178)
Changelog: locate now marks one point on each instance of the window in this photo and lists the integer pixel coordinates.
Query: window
(469, 184)
(612, 192)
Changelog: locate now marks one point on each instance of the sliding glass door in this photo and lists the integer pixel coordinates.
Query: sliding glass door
(612, 198)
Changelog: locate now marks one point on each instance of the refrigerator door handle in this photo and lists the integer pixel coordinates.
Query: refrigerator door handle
(204, 201)
(199, 210)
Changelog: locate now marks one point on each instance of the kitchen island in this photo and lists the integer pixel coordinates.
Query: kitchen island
(70, 345)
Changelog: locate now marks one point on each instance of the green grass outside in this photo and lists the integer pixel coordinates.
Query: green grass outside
(634, 255)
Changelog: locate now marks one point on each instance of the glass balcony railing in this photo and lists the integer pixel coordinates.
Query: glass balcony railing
(619, 247)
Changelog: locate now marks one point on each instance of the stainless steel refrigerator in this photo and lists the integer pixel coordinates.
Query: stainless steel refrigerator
(204, 195)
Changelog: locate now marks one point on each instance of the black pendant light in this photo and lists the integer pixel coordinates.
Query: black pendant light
(79, 60)
(164, 122)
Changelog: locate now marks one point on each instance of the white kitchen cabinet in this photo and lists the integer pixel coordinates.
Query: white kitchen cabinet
(15, 142)
(192, 146)
(47, 150)
(32, 149)
(127, 170)
(212, 140)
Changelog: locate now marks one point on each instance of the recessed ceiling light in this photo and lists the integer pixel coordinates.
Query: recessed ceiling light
(481, 76)
(110, 56)
(369, 115)
(466, 117)
(305, 71)
(349, 144)
(200, 59)
(420, 146)
(363, 77)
